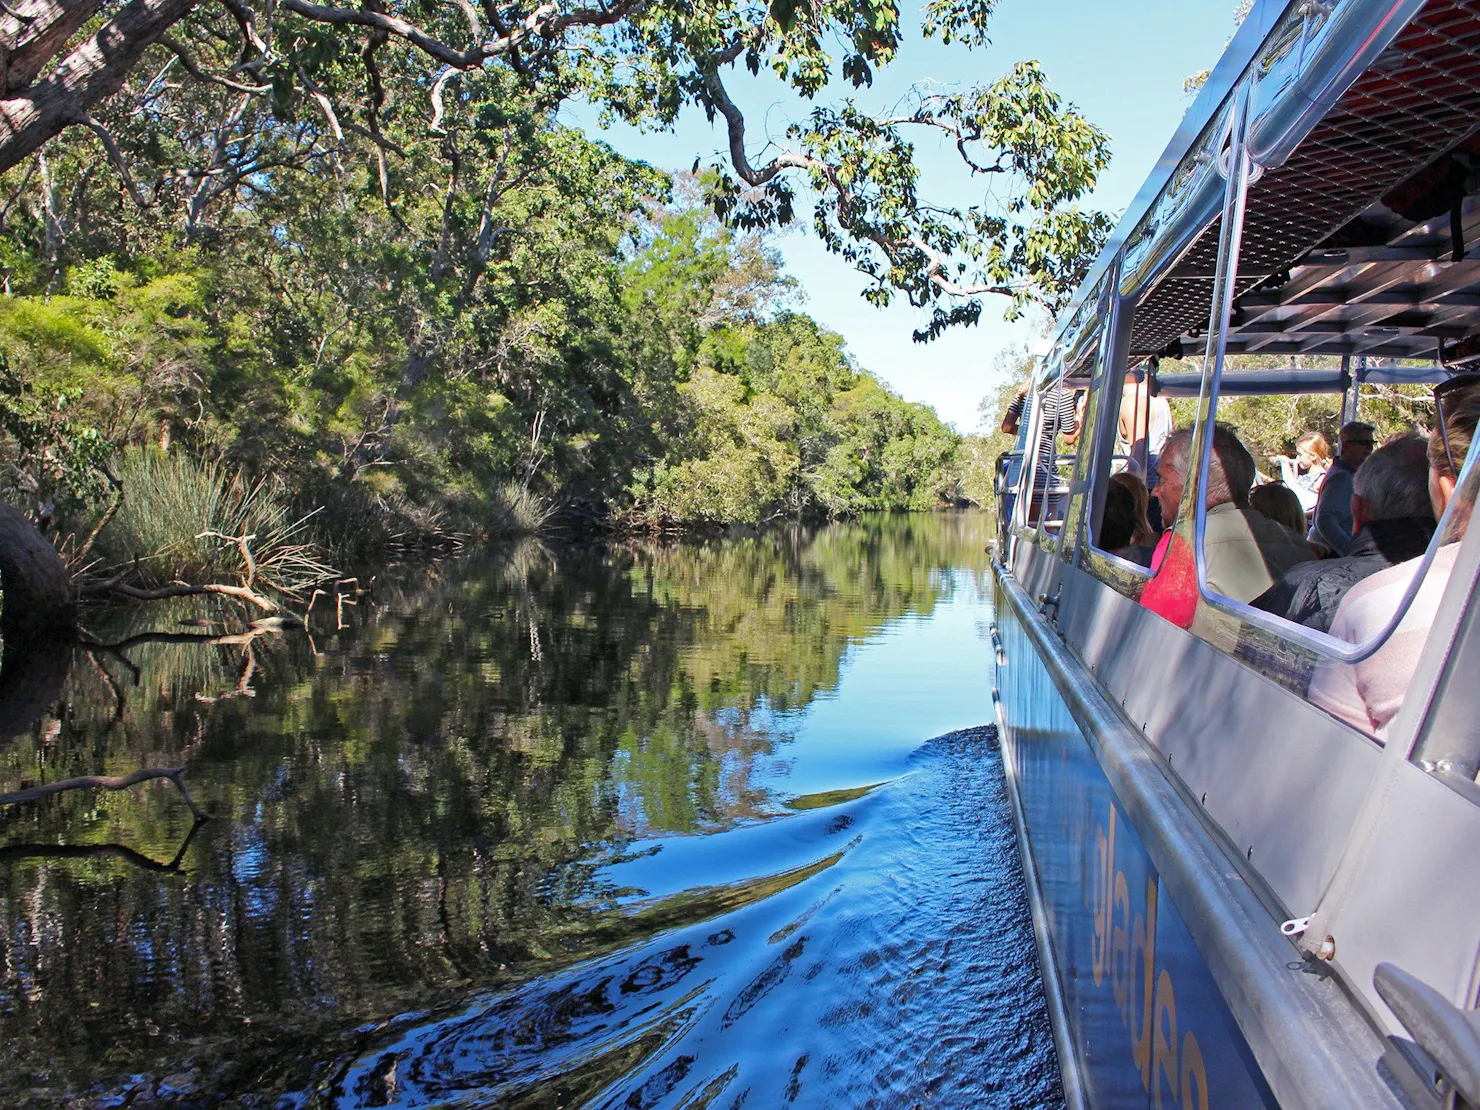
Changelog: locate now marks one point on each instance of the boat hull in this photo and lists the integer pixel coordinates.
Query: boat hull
(1139, 991)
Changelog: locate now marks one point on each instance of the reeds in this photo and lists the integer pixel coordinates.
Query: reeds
(187, 519)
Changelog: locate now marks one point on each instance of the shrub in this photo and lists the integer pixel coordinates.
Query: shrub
(173, 502)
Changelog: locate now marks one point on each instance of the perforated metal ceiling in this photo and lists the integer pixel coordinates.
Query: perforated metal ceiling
(1421, 99)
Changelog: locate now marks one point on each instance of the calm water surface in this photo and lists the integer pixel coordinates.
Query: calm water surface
(689, 826)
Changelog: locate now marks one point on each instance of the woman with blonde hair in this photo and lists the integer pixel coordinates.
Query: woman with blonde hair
(1307, 470)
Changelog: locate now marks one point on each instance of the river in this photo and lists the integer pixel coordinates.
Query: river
(695, 825)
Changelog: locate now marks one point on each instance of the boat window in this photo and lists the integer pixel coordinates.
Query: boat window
(1048, 460)
(1135, 425)
(1339, 614)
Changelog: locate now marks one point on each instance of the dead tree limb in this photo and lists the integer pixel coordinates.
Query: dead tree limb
(115, 586)
(106, 782)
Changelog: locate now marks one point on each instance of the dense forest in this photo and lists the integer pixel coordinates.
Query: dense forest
(344, 281)
(398, 377)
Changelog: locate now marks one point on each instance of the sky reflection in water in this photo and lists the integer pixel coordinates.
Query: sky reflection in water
(652, 827)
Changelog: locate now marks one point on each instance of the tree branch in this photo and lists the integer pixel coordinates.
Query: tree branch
(36, 30)
(120, 163)
(545, 22)
(94, 70)
(105, 782)
(179, 51)
(935, 274)
(179, 589)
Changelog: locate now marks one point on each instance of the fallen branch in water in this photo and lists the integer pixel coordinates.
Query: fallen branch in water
(119, 587)
(106, 782)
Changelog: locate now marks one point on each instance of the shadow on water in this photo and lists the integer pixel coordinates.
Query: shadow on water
(640, 827)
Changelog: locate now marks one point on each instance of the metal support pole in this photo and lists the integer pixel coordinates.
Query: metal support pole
(1346, 387)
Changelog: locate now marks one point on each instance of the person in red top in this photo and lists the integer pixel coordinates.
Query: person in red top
(1244, 551)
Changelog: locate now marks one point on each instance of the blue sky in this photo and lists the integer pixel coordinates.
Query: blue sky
(1122, 64)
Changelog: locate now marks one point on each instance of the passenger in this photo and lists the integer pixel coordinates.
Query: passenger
(1143, 535)
(1118, 524)
(1369, 693)
(1245, 552)
(1145, 421)
(1305, 473)
(1394, 522)
(1060, 417)
(1332, 526)
(1280, 503)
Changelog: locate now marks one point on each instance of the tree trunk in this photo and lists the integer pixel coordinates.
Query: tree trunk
(38, 590)
(95, 69)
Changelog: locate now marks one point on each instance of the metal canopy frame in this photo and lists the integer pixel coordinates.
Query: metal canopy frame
(1289, 380)
(1325, 267)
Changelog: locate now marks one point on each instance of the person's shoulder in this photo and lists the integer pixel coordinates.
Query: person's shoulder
(1377, 590)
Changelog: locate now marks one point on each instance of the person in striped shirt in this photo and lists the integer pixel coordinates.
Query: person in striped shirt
(1060, 417)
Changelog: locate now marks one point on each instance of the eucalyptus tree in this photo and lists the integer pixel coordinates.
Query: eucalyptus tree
(276, 64)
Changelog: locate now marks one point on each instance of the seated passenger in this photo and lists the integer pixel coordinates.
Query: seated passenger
(1332, 525)
(1281, 504)
(1118, 524)
(1369, 693)
(1123, 521)
(1245, 551)
(1143, 534)
(1394, 521)
(1305, 473)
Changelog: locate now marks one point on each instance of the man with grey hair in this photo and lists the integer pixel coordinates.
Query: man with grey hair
(1333, 527)
(1244, 551)
(1393, 519)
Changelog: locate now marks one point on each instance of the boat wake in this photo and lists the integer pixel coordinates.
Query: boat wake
(872, 947)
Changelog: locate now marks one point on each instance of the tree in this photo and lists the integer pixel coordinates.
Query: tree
(218, 95)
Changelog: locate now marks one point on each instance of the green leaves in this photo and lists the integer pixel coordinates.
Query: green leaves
(963, 21)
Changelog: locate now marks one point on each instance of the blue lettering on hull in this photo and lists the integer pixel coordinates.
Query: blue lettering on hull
(1150, 1025)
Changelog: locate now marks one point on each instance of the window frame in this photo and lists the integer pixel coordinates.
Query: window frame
(1242, 173)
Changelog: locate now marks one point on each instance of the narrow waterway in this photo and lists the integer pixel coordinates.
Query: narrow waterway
(697, 825)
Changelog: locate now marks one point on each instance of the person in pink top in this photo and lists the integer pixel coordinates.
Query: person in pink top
(1368, 694)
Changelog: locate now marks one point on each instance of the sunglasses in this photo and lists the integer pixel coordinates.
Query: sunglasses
(1446, 395)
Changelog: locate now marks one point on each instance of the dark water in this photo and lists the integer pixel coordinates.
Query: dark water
(693, 826)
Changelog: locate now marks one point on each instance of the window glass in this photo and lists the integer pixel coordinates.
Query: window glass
(1048, 461)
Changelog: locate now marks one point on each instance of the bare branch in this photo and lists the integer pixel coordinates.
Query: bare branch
(120, 163)
(105, 782)
(179, 51)
(244, 19)
(545, 21)
(179, 589)
(935, 274)
(326, 106)
(474, 23)
(735, 127)
(437, 89)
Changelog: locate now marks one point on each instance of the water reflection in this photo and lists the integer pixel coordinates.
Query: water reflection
(524, 831)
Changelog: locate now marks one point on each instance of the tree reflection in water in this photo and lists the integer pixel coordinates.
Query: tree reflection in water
(426, 802)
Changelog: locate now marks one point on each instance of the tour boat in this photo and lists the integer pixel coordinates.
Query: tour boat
(1239, 898)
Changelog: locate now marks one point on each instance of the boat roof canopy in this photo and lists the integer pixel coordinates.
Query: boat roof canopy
(1358, 226)
(1265, 380)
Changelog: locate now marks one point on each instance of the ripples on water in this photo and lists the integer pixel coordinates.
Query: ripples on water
(870, 952)
(650, 829)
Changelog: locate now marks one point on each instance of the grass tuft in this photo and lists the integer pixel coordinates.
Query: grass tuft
(170, 499)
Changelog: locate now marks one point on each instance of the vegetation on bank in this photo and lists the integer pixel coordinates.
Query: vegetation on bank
(308, 377)
(167, 395)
